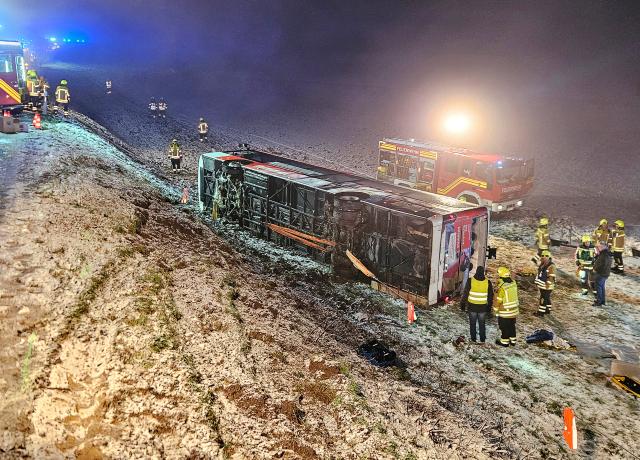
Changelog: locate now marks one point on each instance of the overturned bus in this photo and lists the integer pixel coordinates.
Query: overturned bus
(411, 244)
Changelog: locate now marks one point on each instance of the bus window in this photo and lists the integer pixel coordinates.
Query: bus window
(451, 165)
(6, 63)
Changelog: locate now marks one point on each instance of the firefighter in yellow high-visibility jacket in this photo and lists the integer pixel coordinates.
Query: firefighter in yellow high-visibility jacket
(506, 307)
(543, 240)
(617, 247)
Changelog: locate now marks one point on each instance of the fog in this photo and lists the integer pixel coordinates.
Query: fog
(552, 80)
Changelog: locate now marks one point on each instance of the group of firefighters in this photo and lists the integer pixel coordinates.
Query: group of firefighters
(593, 268)
(593, 255)
(38, 94)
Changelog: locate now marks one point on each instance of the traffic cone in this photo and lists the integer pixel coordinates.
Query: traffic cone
(570, 433)
(185, 196)
(36, 121)
(411, 312)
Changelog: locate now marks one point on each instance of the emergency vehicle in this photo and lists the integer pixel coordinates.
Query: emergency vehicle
(411, 244)
(501, 183)
(13, 77)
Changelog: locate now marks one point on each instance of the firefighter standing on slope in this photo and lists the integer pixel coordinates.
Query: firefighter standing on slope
(545, 281)
(175, 154)
(601, 234)
(153, 108)
(506, 307)
(63, 97)
(617, 247)
(203, 129)
(162, 108)
(585, 254)
(543, 240)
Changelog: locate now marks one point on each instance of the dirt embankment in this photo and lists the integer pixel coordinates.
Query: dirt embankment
(131, 330)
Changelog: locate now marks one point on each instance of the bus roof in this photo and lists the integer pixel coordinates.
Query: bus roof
(440, 148)
(410, 201)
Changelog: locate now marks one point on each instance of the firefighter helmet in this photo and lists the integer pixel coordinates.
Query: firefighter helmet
(153, 99)
(545, 253)
(503, 272)
(201, 118)
(619, 223)
(544, 221)
(63, 82)
(586, 238)
(174, 141)
(604, 222)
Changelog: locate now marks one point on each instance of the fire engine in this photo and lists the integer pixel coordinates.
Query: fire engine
(414, 245)
(498, 182)
(13, 78)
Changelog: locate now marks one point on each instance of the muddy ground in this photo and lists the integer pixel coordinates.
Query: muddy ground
(133, 328)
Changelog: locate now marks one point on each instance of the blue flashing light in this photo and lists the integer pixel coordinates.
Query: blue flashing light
(53, 39)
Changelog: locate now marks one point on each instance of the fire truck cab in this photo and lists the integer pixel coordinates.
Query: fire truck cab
(498, 182)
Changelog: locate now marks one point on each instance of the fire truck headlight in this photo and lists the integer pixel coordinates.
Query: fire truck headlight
(519, 203)
(499, 207)
(457, 123)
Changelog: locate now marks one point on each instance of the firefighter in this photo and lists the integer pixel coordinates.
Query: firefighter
(203, 129)
(175, 154)
(162, 108)
(506, 307)
(153, 107)
(601, 234)
(43, 95)
(543, 240)
(63, 97)
(33, 88)
(601, 271)
(617, 246)
(477, 298)
(107, 85)
(545, 281)
(585, 254)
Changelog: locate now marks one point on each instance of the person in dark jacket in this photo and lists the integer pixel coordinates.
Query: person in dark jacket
(477, 299)
(601, 271)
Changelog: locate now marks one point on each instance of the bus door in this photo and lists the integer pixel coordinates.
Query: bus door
(457, 252)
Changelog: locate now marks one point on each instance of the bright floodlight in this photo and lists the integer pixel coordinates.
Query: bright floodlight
(457, 123)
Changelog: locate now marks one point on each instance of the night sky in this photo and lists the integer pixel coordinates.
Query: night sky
(554, 75)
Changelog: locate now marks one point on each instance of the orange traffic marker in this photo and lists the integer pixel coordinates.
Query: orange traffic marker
(36, 121)
(570, 433)
(411, 312)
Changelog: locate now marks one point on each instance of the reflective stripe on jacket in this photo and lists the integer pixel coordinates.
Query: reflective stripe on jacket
(542, 238)
(62, 94)
(162, 106)
(152, 106)
(601, 235)
(585, 257)
(546, 276)
(203, 128)
(174, 151)
(479, 292)
(617, 241)
(507, 305)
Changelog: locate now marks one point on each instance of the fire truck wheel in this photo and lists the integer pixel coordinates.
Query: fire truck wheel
(468, 198)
